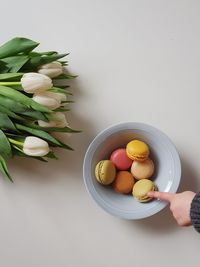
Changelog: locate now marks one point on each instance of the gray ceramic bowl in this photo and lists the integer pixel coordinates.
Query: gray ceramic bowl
(162, 151)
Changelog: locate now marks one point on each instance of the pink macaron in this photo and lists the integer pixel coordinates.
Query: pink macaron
(120, 159)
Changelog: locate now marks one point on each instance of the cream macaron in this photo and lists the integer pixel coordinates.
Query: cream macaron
(142, 169)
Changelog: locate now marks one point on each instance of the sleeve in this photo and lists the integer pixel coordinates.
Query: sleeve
(195, 212)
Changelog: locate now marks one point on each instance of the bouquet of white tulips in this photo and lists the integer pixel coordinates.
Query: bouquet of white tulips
(31, 105)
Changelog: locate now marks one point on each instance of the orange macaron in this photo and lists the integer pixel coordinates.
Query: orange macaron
(123, 182)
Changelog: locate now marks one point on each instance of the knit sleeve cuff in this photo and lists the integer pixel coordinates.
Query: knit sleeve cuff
(195, 212)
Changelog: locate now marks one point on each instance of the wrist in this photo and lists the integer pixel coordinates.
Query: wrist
(195, 212)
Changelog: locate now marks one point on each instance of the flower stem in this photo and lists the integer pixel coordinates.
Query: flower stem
(10, 83)
(17, 148)
(15, 142)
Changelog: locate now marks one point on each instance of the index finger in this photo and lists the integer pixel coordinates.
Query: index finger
(161, 195)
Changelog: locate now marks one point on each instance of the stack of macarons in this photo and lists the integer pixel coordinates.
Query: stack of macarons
(128, 170)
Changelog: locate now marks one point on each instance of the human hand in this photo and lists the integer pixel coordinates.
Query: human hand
(179, 204)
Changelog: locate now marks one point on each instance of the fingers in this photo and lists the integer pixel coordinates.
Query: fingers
(161, 195)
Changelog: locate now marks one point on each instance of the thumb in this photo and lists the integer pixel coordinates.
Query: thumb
(161, 195)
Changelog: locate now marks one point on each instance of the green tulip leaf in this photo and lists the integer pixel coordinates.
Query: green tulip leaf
(63, 62)
(52, 129)
(44, 135)
(5, 148)
(47, 53)
(36, 61)
(51, 155)
(11, 114)
(59, 90)
(35, 115)
(65, 146)
(6, 123)
(17, 45)
(20, 153)
(11, 107)
(21, 98)
(4, 169)
(39, 133)
(15, 63)
(3, 67)
(62, 86)
(17, 137)
(11, 76)
(61, 109)
(65, 76)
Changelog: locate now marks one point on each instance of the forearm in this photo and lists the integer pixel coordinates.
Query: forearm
(195, 212)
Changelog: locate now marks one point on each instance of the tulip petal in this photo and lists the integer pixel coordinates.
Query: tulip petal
(34, 146)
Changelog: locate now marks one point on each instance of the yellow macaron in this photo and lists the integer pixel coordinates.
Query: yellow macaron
(141, 188)
(137, 150)
(105, 172)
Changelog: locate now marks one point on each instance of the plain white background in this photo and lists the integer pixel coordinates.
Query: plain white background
(136, 61)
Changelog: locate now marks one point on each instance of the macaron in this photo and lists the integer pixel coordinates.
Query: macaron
(105, 172)
(142, 169)
(141, 188)
(120, 159)
(123, 182)
(137, 150)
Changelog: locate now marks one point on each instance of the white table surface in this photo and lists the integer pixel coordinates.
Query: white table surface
(136, 61)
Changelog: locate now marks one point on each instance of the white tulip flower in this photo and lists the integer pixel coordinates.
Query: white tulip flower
(58, 120)
(34, 146)
(52, 69)
(47, 99)
(59, 96)
(35, 82)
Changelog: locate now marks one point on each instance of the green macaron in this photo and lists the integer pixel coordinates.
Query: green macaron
(105, 172)
(141, 188)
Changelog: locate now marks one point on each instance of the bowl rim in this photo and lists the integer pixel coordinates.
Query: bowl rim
(98, 139)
